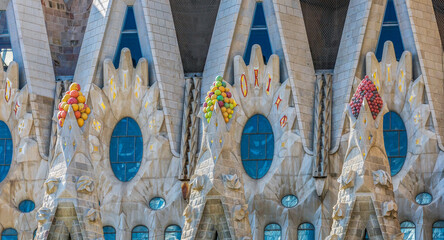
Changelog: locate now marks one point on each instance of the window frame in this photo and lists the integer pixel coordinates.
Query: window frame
(409, 227)
(139, 231)
(7, 140)
(13, 234)
(387, 24)
(25, 202)
(440, 222)
(400, 142)
(312, 228)
(273, 230)
(110, 228)
(166, 231)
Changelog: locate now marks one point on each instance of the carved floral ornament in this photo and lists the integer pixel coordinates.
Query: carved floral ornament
(51, 185)
(232, 181)
(43, 215)
(390, 209)
(347, 180)
(240, 212)
(381, 177)
(85, 184)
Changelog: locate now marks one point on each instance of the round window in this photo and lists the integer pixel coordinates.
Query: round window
(157, 203)
(126, 149)
(289, 201)
(395, 141)
(26, 206)
(257, 146)
(423, 198)
(6, 150)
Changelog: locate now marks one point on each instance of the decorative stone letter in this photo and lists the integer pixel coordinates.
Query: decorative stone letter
(240, 211)
(390, 209)
(43, 215)
(382, 178)
(198, 183)
(91, 215)
(85, 184)
(339, 211)
(51, 185)
(188, 213)
(231, 181)
(347, 180)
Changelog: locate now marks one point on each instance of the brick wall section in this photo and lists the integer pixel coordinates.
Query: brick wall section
(66, 24)
(299, 63)
(360, 35)
(417, 19)
(167, 64)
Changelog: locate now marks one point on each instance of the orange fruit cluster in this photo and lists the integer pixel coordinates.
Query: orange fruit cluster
(76, 100)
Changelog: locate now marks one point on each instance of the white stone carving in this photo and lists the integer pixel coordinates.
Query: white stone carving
(347, 180)
(51, 185)
(198, 183)
(339, 211)
(382, 178)
(240, 211)
(390, 209)
(232, 181)
(43, 215)
(85, 184)
(92, 215)
(188, 213)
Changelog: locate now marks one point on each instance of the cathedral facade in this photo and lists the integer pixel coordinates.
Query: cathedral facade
(222, 119)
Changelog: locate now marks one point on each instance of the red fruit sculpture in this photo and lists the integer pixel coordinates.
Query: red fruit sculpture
(366, 89)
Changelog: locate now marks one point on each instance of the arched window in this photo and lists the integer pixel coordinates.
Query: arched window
(306, 231)
(258, 34)
(9, 234)
(5, 150)
(408, 228)
(395, 141)
(126, 149)
(173, 232)
(438, 230)
(26, 206)
(129, 38)
(139, 233)
(424, 198)
(257, 146)
(272, 232)
(109, 233)
(5, 41)
(390, 32)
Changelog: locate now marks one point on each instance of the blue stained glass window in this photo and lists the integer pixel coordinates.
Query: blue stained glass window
(157, 203)
(306, 231)
(257, 146)
(129, 38)
(9, 234)
(438, 230)
(408, 228)
(126, 149)
(26, 206)
(390, 32)
(395, 141)
(109, 233)
(6, 150)
(366, 235)
(5, 41)
(139, 233)
(173, 232)
(258, 34)
(33, 235)
(289, 201)
(272, 232)
(424, 198)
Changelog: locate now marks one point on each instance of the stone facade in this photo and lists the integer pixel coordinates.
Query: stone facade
(335, 164)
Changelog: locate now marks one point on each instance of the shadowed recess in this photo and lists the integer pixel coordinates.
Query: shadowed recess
(324, 21)
(194, 22)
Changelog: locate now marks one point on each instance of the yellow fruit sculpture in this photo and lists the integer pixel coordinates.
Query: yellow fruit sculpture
(221, 95)
(77, 101)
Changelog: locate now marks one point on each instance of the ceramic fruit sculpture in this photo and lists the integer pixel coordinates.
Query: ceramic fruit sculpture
(76, 100)
(366, 89)
(221, 95)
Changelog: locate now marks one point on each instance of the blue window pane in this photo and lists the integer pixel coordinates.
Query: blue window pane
(306, 231)
(9, 234)
(157, 203)
(258, 35)
(390, 32)
(6, 150)
(262, 168)
(33, 235)
(272, 232)
(126, 149)
(264, 125)
(129, 38)
(109, 233)
(366, 235)
(438, 230)
(26, 206)
(390, 13)
(408, 228)
(173, 232)
(130, 20)
(257, 143)
(139, 233)
(395, 141)
(289, 201)
(5, 41)
(251, 126)
(244, 146)
(270, 142)
(251, 168)
(424, 198)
